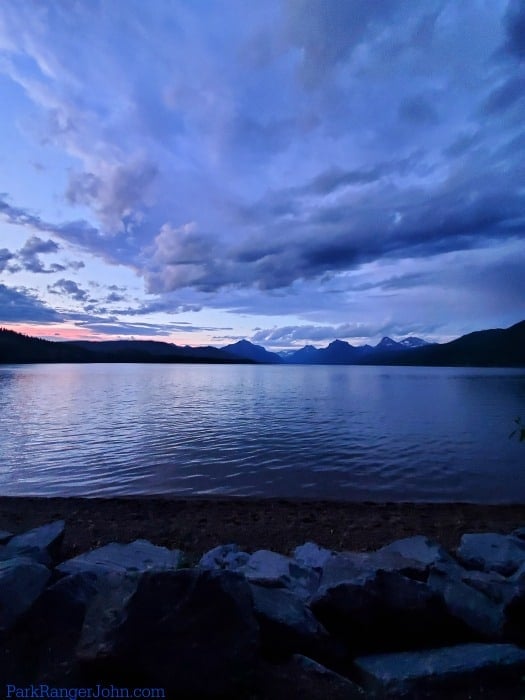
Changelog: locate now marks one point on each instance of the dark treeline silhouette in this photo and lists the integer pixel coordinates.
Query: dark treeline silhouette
(489, 348)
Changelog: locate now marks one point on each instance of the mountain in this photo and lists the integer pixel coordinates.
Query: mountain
(499, 347)
(388, 344)
(16, 348)
(304, 356)
(490, 348)
(413, 342)
(249, 351)
(151, 351)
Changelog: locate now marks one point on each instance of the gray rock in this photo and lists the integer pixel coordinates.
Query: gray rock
(47, 538)
(519, 533)
(5, 536)
(228, 557)
(384, 611)
(64, 603)
(190, 631)
(420, 549)
(138, 556)
(305, 679)
(268, 568)
(40, 556)
(481, 613)
(348, 566)
(288, 625)
(492, 606)
(490, 551)
(312, 555)
(413, 674)
(22, 581)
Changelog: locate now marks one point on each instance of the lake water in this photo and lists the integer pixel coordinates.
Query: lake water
(354, 433)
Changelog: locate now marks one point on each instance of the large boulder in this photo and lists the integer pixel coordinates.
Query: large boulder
(422, 552)
(312, 555)
(268, 568)
(347, 566)
(436, 672)
(136, 557)
(190, 631)
(288, 626)
(22, 581)
(5, 536)
(384, 611)
(228, 557)
(46, 538)
(491, 551)
(304, 678)
(481, 613)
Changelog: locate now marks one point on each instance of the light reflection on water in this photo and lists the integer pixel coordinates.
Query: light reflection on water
(356, 433)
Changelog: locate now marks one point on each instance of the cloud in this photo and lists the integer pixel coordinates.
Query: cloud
(20, 304)
(116, 196)
(328, 33)
(418, 110)
(29, 255)
(514, 22)
(69, 288)
(5, 257)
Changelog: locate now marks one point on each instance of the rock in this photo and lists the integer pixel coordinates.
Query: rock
(492, 606)
(490, 551)
(64, 604)
(312, 555)
(478, 611)
(275, 570)
(301, 678)
(288, 625)
(40, 556)
(22, 581)
(418, 549)
(47, 538)
(385, 611)
(414, 674)
(192, 632)
(5, 536)
(519, 533)
(347, 566)
(225, 556)
(138, 556)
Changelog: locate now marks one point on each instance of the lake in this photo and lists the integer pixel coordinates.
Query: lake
(335, 432)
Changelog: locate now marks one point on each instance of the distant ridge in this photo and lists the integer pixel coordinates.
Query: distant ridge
(489, 348)
(249, 351)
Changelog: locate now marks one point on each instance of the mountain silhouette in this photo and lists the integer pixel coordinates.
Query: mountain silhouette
(489, 348)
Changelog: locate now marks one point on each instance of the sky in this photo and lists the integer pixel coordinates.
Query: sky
(290, 171)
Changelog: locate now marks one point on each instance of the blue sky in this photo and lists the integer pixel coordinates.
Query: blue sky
(289, 172)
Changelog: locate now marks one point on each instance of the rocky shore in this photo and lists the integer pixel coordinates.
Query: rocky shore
(408, 619)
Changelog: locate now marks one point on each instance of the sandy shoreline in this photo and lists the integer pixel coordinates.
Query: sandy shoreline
(198, 524)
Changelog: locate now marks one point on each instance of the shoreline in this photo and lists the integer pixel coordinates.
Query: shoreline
(196, 524)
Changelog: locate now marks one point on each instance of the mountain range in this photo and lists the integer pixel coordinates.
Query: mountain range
(488, 348)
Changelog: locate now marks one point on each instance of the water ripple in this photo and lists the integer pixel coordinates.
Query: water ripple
(366, 433)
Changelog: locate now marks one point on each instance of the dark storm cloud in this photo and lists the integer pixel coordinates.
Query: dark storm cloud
(29, 255)
(21, 305)
(69, 288)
